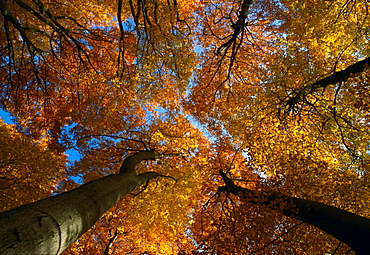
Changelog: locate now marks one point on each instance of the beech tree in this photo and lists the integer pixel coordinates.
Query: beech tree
(50, 225)
(273, 93)
(345, 226)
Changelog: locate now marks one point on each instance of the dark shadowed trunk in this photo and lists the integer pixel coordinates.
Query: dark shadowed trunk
(347, 227)
(50, 225)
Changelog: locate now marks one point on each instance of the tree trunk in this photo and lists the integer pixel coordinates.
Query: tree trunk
(347, 227)
(50, 225)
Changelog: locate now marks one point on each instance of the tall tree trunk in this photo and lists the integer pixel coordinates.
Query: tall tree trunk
(50, 225)
(347, 227)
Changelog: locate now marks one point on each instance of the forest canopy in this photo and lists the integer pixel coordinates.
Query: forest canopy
(272, 96)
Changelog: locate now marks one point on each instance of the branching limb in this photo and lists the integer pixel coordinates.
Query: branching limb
(347, 227)
(129, 164)
(335, 78)
(110, 242)
(237, 26)
(167, 176)
(142, 189)
(276, 238)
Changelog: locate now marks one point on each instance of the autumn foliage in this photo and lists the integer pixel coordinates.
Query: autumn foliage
(273, 93)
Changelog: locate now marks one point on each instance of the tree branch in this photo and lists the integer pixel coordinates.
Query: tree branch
(129, 164)
(336, 77)
(238, 26)
(347, 227)
(276, 238)
(110, 242)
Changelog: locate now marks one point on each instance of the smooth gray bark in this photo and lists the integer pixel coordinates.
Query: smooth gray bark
(352, 229)
(50, 225)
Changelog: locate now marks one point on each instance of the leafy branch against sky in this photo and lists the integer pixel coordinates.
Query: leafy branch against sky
(260, 97)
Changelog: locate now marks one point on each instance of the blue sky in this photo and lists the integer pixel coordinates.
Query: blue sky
(6, 117)
(72, 154)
